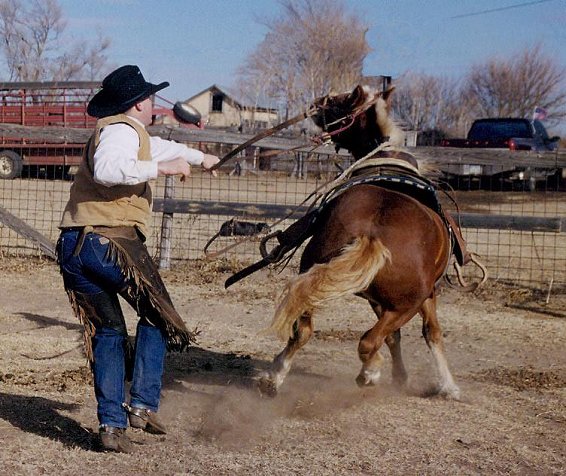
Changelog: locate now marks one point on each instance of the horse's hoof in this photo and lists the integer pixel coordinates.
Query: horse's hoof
(367, 378)
(450, 393)
(362, 381)
(267, 387)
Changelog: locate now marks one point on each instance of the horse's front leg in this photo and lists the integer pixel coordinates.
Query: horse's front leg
(269, 381)
(433, 337)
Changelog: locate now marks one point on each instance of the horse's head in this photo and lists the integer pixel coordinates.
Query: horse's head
(358, 121)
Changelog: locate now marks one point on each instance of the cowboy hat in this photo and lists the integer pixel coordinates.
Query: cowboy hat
(121, 89)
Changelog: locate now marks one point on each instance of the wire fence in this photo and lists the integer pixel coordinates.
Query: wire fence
(516, 225)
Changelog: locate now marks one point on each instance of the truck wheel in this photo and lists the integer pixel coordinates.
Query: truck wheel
(10, 164)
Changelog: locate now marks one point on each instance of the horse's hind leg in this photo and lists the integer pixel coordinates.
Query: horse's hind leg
(398, 371)
(433, 337)
(393, 341)
(270, 380)
(368, 348)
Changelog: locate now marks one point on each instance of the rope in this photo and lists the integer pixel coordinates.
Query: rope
(264, 134)
(324, 191)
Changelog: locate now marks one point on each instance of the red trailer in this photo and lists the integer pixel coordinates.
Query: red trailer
(46, 104)
(42, 104)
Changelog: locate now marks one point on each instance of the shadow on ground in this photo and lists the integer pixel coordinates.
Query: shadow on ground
(42, 416)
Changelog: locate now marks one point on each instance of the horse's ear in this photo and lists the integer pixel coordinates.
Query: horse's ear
(357, 96)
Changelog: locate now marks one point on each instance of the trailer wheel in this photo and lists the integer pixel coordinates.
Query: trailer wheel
(10, 164)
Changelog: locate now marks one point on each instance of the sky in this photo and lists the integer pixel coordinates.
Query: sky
(196, 43)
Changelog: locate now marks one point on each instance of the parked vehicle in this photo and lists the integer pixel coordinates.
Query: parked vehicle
(47, 104)
(505, 133)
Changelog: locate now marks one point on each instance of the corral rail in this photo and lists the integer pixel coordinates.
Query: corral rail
(518, 232)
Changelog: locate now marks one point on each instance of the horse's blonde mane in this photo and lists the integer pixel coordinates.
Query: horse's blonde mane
(385, 123)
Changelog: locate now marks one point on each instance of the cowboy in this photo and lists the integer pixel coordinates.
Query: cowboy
(102, 255)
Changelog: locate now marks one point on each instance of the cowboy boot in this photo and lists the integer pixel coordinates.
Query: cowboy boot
(145, 392)
(145, 419)
(115, 439)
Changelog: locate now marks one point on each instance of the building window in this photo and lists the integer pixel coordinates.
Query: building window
(217, 102)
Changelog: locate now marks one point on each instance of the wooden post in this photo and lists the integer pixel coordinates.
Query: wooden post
(167, 226)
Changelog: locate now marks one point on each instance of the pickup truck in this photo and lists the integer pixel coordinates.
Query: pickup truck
(505, 133)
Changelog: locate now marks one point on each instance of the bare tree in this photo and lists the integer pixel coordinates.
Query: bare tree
(32, 43)
(515, 86)
(419, 100)
(81, 61)
(313, 48)
(428, 104)
(512, 86)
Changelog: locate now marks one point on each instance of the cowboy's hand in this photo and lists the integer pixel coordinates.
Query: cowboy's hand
(174, 167)
(210, 161)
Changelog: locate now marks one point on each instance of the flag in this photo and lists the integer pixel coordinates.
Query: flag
(539, 114)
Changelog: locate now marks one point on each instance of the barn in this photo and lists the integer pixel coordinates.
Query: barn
(223, 108)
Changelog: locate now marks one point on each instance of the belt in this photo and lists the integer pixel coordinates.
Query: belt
(129, 232)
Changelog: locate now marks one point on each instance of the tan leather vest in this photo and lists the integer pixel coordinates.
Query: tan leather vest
(93, 204)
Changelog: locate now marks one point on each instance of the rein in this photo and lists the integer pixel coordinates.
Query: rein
(264, 134)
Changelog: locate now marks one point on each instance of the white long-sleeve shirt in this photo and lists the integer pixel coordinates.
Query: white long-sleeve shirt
(116, 157)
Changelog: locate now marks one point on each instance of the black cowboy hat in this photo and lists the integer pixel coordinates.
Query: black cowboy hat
(121, 89)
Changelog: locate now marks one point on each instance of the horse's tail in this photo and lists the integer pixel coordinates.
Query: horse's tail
(350, 272)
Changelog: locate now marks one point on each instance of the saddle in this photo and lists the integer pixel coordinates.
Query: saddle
(392, 173)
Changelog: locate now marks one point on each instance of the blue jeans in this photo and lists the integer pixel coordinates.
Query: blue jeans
(98, 281)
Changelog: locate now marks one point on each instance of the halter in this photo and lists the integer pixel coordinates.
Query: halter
(326, 136)
(348, 120)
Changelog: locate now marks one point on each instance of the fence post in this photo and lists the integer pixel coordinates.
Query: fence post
(166, 226)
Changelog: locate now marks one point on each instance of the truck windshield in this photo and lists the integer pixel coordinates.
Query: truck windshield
(484, 130)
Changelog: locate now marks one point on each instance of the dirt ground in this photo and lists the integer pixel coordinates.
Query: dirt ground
(505, 348)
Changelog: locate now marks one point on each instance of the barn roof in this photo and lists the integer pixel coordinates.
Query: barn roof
(234, 98)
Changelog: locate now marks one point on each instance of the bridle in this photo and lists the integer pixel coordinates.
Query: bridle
(326, 136)
(346, 121)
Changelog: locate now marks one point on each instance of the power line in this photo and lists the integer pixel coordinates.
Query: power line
(519, 5)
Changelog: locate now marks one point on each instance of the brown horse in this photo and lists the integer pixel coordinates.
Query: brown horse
(371, 241)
